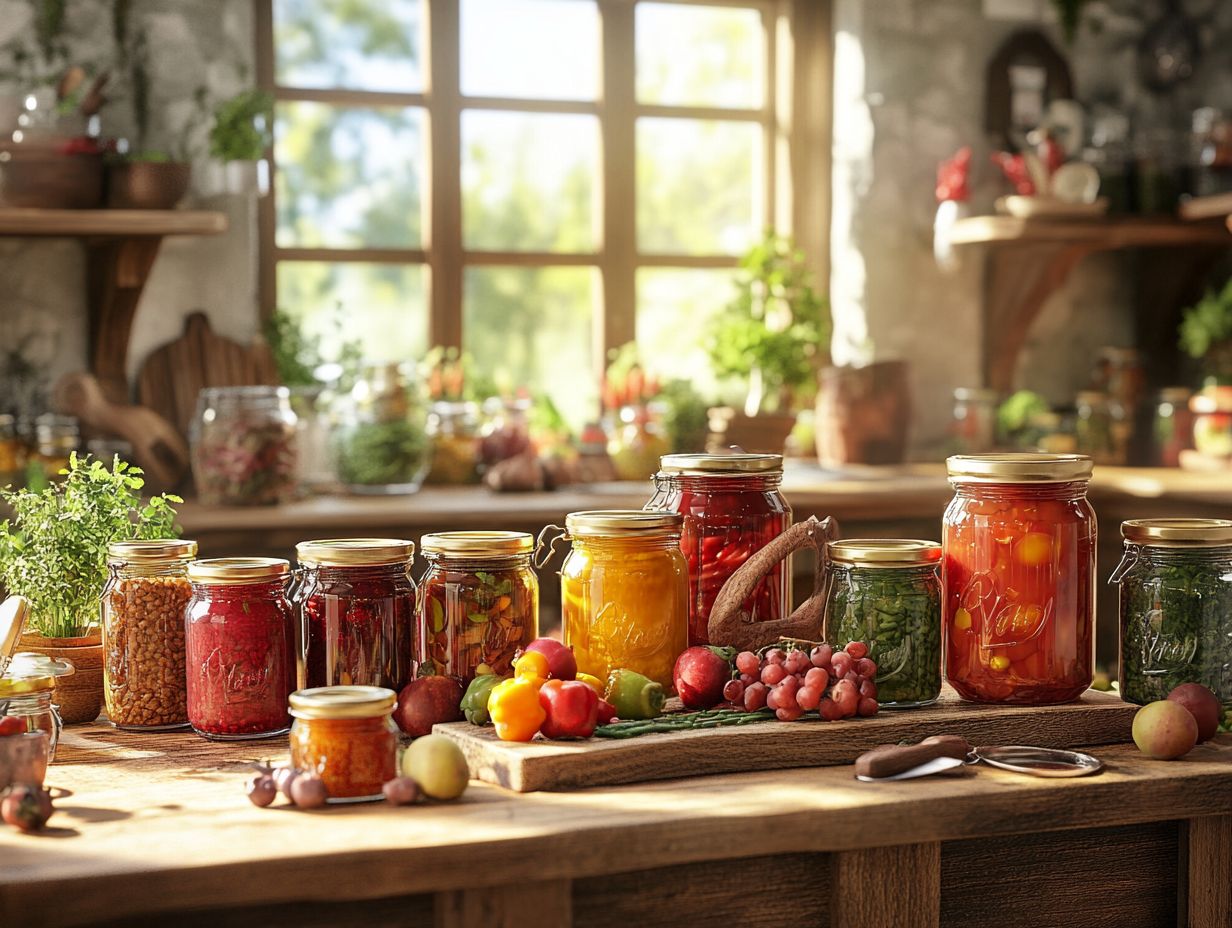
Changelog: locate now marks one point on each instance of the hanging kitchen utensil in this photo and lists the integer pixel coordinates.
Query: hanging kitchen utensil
(945, 752)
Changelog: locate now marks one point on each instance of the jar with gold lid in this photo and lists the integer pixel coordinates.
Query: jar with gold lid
(347, 736)
(27, 685)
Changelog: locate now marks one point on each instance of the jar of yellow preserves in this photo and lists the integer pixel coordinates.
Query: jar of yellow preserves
(624, 592)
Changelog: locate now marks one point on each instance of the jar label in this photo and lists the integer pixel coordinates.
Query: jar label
(1002, 620)
(1160, 653)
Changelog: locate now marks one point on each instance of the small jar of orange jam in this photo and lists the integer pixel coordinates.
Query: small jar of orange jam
(346, 735)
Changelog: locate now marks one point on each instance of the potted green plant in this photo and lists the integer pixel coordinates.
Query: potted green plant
(1206, 335)
(54, 553)
(773, 337)
(242, 132)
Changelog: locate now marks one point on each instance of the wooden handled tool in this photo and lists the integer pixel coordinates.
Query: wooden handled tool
(890, 759)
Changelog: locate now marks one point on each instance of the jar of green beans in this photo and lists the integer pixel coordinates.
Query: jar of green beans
(1175, 582)
(886, 592)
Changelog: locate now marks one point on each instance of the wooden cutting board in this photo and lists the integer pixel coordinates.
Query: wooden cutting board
(175, 374)
(1097, 718)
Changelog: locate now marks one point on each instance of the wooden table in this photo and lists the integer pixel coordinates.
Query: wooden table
(158, 832)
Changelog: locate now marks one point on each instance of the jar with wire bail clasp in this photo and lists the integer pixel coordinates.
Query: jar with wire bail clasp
(886, 592)
(27, 683)
(347, 736)
(355, 601)
(144, 682)
(478, 603)
(1175, 595)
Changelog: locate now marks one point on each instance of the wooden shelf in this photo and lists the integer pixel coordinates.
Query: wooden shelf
(122, 245)
(1106, 234)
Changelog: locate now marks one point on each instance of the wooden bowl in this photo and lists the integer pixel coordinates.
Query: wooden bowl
(147, 184)
(80, 696)
(46, 180)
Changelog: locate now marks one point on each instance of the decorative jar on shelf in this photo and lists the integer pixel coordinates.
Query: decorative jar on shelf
(454, 427)
(637, 443)
(243, 446)
(381, 442)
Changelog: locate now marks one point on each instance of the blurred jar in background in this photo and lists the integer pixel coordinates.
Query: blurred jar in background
(454, 427)
(974, 425)
(1094, 428)
(56, 437)
(1173, 426)
(12, 452)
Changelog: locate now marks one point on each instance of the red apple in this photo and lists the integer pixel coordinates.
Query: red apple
(700, 674)
(1202, 704)
(425, 702)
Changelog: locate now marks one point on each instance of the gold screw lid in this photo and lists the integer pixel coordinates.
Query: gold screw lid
(342, 702)
(884, 552)
(1018, 468)
(720, 464)
(477, 544)
(233, 571)
(32, 673)
(623, 522)
(1178, 533)
(355, 552)
(150, 552)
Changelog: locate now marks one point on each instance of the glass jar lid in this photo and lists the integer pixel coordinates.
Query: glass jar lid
(342, 702)
(355, 552)
(232, 571)
(1018, 468)
(720, 464)
(150, 552)
(884, 552)
(1178, 533)
(29, 672)
(477, 544)
(622, 522)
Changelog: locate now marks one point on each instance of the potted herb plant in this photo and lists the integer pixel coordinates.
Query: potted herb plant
(242, 132)
(774, 337)
(1206, 335)
(54, 553)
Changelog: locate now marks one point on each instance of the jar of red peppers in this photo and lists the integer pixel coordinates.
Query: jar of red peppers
(478, 603)
(732, 508)
(356, 604)
(347, 736)
(240, 648)
(1019, 578)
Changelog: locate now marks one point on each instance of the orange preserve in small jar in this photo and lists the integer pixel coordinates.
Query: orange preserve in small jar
(1018, 545)
(346, 735)
(624, 592)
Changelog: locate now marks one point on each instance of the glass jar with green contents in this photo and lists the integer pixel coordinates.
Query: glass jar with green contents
(886, 592)
(1176, 607)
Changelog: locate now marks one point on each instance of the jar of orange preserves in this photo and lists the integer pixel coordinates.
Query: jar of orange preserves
(346, 735)
(624, 592)
(1018, 544)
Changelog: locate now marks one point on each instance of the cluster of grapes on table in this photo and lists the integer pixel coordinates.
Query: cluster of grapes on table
(837, 684)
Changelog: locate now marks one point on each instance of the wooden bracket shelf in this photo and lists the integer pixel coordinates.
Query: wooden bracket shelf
(1027, 260)
(121, 245)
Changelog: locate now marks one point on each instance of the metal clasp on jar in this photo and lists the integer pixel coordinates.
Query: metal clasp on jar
(541, 555)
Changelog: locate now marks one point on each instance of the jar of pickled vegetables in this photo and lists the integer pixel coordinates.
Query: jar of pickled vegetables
(347, 736)
(1176, 607)
(243, 446)
(478, 603)
(143, 633)
(732, 508)
(624, 592)
(1019, 578)
(240, 648)
(356, 607)
(886, 592)
(381, 442)
(454, 427)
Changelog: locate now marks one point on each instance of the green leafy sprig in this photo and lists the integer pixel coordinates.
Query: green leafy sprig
(54, 549)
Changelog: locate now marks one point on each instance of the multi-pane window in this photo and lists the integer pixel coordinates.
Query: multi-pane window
(536, 181)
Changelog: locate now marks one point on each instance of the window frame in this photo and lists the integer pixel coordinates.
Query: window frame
(795, 197)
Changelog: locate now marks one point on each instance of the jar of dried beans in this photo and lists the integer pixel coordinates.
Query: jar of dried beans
(356, 605)
(143, 633)
(240, 648)
(346, 735)
(478, 603)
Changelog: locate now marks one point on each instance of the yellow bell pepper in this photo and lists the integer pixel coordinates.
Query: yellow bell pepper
(514, 708)
(593, 682)
(531, 664)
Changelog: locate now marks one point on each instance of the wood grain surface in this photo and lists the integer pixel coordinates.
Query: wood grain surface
(1098, 718)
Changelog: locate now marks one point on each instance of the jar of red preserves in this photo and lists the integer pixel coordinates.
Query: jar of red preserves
(478, 603)
(732, 508)
(1019, 578)
(356, 604)
(240, 648)
(347, 736)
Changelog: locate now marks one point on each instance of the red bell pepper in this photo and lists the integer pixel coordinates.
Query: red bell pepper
(572, 709)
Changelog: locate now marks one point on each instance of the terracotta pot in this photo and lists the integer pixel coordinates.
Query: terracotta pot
(765, 433)
(147, 184)
(863, 414)
(42, 179)
(80, 696)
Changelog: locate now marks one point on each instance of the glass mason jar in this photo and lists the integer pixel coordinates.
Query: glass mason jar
(12, 452)
(347, 736)
(637, 443)
(506, 430)
(1176, 607)
(624, 592)
(887, 593)
(143, 633)
(240, 648)
(1095, 428)
(356, 605)
(732, 508)
(1212, 425)
(381, 443)
(973, 426)
(1173, 426)
(27, 686)
(454, 427)
(478, 603)
(1019, 578)
(243, 446)
(56, 438)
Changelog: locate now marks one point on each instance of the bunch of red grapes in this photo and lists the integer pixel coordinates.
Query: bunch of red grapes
(838, 684)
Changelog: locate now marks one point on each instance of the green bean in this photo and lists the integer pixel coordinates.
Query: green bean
(682, 721)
